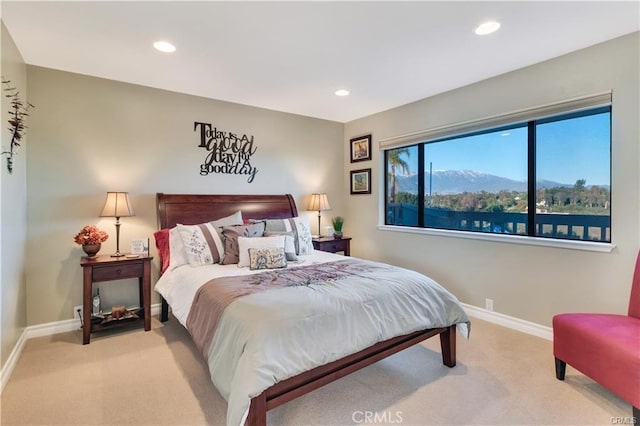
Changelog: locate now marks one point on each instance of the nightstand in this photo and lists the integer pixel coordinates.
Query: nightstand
(333, 245)
(107, 268)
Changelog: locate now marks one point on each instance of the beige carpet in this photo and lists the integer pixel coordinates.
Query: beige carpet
(135, 378)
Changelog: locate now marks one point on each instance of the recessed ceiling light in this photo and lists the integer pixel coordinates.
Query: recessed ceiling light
(164, 46)
(487, 28)
(342, 92)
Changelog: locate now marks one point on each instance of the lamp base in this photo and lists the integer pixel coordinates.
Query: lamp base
(117, 253)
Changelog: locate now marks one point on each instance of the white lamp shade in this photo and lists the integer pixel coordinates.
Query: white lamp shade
(319, 202)
(117, 205)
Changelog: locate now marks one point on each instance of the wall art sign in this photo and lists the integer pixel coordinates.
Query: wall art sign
(228, 152)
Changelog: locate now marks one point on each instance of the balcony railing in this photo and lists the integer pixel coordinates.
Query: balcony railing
(553, 225)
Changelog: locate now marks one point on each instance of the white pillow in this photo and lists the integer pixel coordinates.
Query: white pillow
(202, 243)
(177, 256)
(244, 244)
(305, 244)
(299, 226)
(289, 243)
(177, 250)
(231, 220)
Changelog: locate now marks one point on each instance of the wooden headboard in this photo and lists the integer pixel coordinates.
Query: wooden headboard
(191, 209)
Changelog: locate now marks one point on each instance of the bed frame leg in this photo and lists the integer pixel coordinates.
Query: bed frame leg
(448, 345)
(164, 312)
(257, 411)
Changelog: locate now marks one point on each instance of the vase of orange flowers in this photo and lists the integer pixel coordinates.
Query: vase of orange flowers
(91, 239)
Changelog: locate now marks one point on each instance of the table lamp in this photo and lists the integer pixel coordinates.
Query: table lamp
(319, 202)
(117, 205)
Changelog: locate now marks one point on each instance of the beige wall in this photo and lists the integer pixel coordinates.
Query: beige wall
(527, 282)
(93, 135)
(13, 216)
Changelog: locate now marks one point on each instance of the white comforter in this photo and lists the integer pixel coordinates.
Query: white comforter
(266, 337)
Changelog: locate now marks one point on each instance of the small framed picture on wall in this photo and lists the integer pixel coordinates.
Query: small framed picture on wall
(361, 181)
(361, 148)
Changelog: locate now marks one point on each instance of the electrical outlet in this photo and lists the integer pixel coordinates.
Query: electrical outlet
(75, 311)
(488, 304)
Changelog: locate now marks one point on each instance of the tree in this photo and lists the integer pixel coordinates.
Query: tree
(407, 198)
(395, 161)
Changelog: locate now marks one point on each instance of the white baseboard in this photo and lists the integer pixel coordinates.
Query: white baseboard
(8, 366)
(74, 324)
(40, 330)
(509, 322)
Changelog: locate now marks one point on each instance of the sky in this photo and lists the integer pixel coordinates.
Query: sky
(567, 150)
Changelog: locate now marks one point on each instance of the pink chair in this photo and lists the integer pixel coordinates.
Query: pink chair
(605, 347)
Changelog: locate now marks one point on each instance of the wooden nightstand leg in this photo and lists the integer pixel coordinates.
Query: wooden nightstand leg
(87, 305)
(140, 292)
(146, 295)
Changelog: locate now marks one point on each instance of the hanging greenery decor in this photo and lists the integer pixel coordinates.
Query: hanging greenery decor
(18, 112)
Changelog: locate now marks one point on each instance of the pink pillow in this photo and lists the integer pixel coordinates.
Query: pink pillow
(162, 244)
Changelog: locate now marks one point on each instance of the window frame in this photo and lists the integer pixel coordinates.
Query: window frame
(579, 107)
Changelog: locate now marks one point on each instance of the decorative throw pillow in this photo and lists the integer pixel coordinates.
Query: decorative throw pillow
(245, 244)
(298, 225)
(231, 234)
(177, 256)
(267, 258)
(231, 220)
(289, 243)
(162, 244)
(202, 244)
(305, 242)
(175, 252)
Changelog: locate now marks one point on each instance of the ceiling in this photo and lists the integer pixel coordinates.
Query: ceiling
(293, 56)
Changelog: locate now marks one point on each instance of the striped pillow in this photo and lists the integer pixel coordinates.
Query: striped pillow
(202, 243)
(300, 228)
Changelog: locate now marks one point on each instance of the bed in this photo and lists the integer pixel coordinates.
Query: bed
(305, 373)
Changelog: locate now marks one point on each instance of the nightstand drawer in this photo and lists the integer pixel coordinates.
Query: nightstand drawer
(116, 272)
(335, 246)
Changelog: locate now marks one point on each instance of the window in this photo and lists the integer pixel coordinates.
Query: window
(547, 177)
(402, 186)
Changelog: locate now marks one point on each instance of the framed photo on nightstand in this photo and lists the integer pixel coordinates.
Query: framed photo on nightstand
(140, 246)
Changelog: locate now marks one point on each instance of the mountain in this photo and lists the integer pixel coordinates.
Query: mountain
(458, 181)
